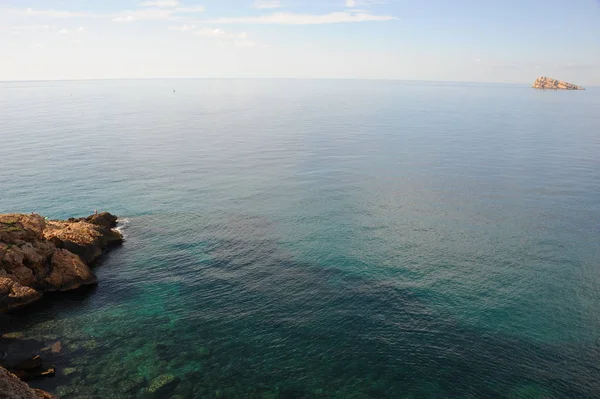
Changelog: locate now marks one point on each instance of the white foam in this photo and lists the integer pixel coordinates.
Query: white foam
(122, 224)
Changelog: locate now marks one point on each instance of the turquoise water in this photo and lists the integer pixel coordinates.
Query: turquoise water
(317, 238)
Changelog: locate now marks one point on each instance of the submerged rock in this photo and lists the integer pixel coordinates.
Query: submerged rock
(163, 384)
(549, 83)
(13, 335)
(39, 256)
(132, 385)
(203, 352)
(69, 371)
(32, 363)
(32, 368)
(54, 348)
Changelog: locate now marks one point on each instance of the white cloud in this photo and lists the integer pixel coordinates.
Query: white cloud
(154, 13)
(244, 43)
(262, 4)
(363, 3)
(237, 39)
(285, 18)
(122, 16)
(211, 33)
(183, 28)
(160, 3)
(23, 29)
(72, 32)
(32, 27)
(144, 13)
(190, 9)
(50, 13)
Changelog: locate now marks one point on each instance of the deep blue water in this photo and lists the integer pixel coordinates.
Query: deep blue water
(318, 238)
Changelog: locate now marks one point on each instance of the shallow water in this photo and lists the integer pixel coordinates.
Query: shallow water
(318, 239)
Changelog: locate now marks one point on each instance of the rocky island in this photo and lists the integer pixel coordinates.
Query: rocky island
(38, 256)
(553, 84)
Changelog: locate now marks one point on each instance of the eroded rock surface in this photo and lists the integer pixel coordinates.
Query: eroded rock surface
(14, 295)
(37, 255)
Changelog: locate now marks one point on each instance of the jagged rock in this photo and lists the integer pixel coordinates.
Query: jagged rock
(82, 238)
(38, 256)
(68, 272)
(549, 83)
(13, 388)
(103, 219)
(13, 294)
(15, 228)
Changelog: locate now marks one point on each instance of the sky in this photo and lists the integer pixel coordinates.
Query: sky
(504, 41)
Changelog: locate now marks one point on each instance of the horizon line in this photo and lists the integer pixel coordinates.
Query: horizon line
(264, 78)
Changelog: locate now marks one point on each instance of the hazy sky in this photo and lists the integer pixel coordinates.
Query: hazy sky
(460, 40)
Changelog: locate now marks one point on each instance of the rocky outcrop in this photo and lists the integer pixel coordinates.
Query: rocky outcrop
(68, 272)
(549, 83)
(39, 256)
(14, 295)
(88, 237)
(13, 388)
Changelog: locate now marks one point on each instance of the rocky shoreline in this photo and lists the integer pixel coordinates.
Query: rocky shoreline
(39, 256)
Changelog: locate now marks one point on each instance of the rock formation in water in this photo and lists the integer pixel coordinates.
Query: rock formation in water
(12, 387)
(37, 255)
(549, 83)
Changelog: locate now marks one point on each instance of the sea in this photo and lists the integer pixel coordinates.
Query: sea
(304, 238)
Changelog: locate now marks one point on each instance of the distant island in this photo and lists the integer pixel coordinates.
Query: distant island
(553, 84)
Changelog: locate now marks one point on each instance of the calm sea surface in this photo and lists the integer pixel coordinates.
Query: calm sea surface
(317, 239)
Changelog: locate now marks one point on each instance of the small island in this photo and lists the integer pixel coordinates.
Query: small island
(553, 84)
